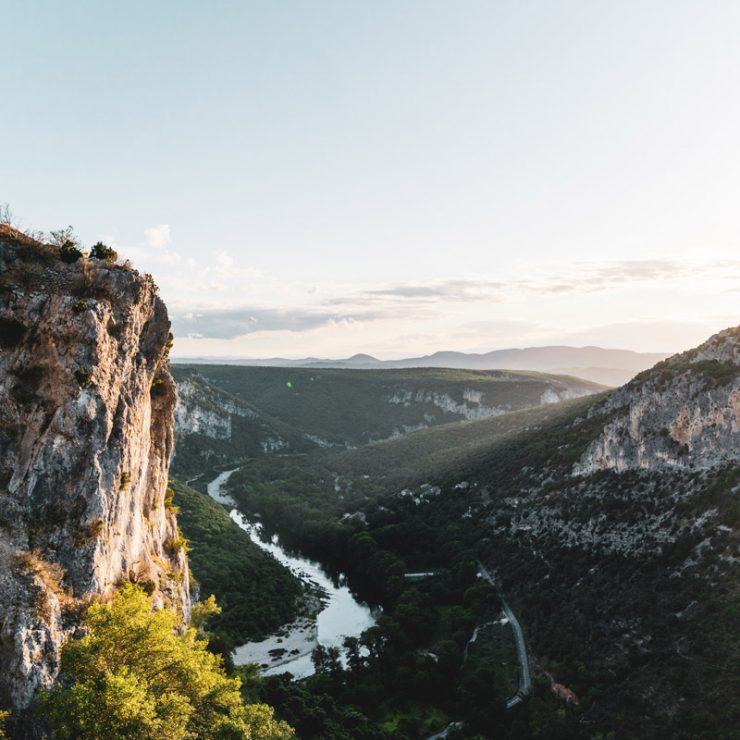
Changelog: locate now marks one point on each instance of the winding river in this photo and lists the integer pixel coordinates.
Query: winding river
(341, 615)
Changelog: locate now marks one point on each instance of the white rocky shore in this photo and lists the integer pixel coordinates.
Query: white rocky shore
(293, 641)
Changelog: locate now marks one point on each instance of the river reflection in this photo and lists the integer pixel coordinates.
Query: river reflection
(341, 616)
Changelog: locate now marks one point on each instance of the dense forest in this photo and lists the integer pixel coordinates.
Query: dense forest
(399, 681)
(438, 499)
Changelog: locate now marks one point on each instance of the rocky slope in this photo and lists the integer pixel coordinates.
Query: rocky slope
(616, 532)
(215, 428)
(86, 434)
(612, 524)
(684, 413)
(201, 409)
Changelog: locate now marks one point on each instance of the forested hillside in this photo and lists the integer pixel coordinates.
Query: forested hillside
(586, 511)
(255, 593)
(232, 413)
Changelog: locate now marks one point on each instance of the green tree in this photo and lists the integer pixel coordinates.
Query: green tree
(201, 612)
(3, 717)
(327, 660)
(103, 252)
(134, 675)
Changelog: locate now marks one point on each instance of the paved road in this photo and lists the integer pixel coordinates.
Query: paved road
(525, 677)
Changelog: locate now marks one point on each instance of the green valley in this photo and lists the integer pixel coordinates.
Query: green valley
(228, 413)
(580, 528)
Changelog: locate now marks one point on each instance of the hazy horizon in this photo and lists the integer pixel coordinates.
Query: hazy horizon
(384, 357)
(394, 178)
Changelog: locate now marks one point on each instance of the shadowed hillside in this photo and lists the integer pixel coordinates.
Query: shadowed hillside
(228, 413)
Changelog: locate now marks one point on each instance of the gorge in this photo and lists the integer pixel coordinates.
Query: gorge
(581, 509)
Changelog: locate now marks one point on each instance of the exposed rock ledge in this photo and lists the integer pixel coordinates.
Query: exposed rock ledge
(683, 413)
(86, 435)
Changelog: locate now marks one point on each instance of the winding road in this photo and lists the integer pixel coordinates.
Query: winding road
(525, 677)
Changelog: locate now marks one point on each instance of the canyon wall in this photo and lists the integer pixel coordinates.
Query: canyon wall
(86, 436)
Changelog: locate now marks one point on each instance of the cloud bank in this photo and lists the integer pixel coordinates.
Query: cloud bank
(238, 322)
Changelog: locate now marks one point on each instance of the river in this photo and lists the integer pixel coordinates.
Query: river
(341, 615)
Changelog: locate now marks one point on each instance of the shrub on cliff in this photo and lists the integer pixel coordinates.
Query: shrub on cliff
(3, 717)
(103, 252)
(133, 675)
(83, 377)
(69, 252)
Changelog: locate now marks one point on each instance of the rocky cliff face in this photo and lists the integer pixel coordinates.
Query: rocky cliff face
(86, 435)
(647, 455)
(473, 404)
(682, 414)
(202, 410)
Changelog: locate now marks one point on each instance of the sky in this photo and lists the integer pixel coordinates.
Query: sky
(326, 177)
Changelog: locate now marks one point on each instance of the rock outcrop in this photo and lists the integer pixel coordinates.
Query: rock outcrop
(86, 435)
(615, 529)
(473, 404)
(683, 414)
(202, 410)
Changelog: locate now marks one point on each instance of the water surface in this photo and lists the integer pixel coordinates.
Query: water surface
(341, 616)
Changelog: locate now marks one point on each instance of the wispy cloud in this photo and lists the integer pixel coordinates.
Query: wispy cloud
(448, 290)
(158, 236)
(580, 277)
(224, 261)
(237, 322)
(618, 274)
(473, 312)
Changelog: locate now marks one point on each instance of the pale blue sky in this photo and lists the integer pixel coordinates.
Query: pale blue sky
(391, 177)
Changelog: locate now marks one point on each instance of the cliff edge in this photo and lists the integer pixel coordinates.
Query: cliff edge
(86, 436)
(684, 413)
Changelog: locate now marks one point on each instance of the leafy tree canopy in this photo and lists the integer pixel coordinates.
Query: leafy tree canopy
(133, 675)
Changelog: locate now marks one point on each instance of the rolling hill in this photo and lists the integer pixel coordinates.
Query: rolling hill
(610, 367)
(226, 413)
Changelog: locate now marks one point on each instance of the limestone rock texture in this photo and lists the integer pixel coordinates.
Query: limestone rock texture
(200, 410)
(86, 436)
(682, 414)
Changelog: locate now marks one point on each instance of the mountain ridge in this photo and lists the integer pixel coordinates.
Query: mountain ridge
(600, 365)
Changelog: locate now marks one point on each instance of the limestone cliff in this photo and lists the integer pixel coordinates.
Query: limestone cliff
(682, 414)
(86, 435)
(201, 409)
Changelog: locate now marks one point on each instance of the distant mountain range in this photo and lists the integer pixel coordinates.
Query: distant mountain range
(611, 367)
